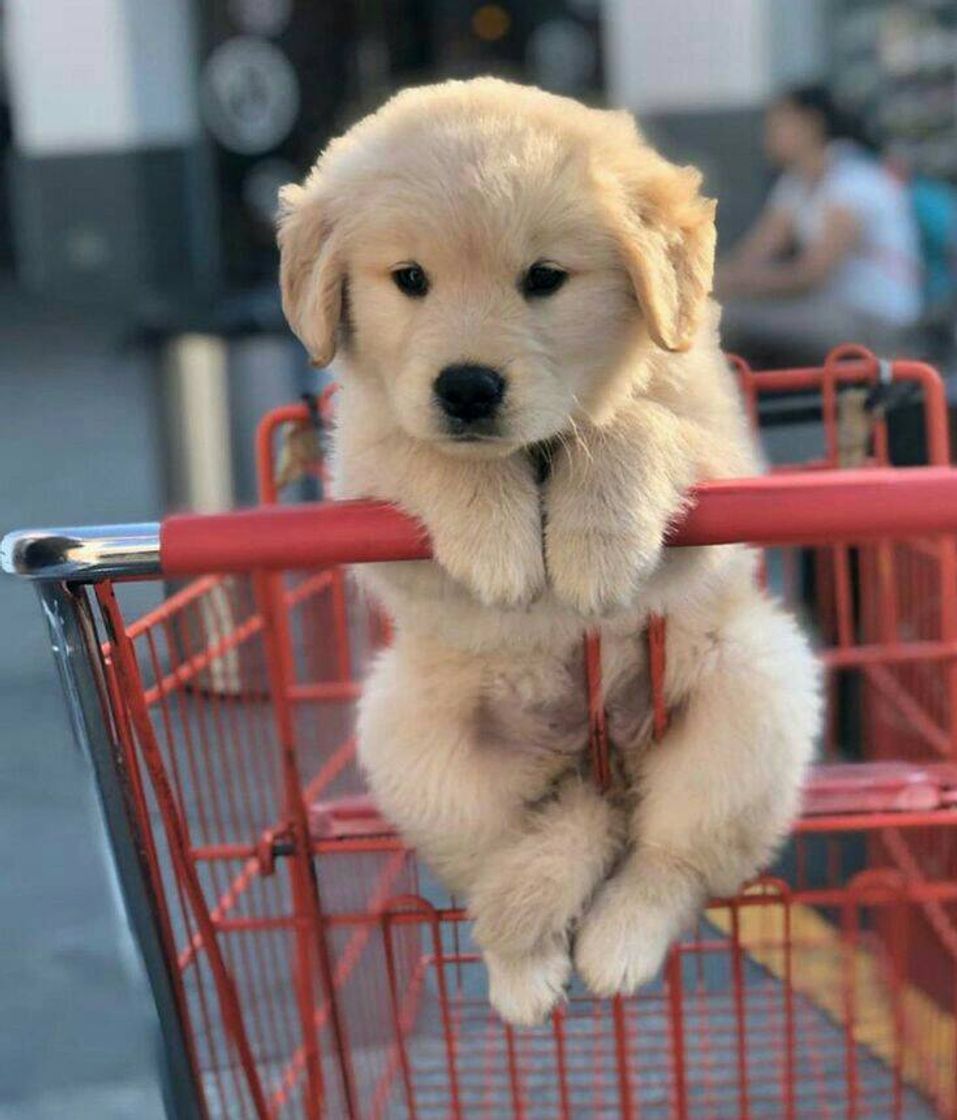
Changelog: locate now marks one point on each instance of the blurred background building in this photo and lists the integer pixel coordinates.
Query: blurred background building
(142, 143)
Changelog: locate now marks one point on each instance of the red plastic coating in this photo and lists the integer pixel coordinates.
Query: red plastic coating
(322, 983)
(788, 508)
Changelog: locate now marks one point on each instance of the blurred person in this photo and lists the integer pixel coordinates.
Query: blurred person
(834, 257)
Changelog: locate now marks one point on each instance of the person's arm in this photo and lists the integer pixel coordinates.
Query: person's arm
(812, 266)
(768, 238)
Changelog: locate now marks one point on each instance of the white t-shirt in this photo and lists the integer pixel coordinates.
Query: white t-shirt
(880, 275)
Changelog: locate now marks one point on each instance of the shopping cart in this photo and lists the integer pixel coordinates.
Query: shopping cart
(304, 963)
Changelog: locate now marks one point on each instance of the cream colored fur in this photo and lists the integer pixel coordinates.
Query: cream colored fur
(473, 726)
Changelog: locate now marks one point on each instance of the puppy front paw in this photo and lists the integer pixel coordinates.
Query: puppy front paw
(624, 938)
(501, 564)
(526, 989)
(599, 572)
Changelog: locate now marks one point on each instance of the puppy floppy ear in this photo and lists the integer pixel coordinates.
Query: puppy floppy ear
(667, 236)
(310, 272)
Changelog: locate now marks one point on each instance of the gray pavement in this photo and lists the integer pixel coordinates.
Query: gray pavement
(78, 1037)
(78, 444)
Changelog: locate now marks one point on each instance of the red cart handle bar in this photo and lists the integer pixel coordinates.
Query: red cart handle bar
(790, 508)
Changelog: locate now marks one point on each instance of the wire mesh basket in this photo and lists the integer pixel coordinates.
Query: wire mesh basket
(304, 963)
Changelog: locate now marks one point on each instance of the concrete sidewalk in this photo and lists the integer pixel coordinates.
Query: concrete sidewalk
(79, 1038)
(78, 445)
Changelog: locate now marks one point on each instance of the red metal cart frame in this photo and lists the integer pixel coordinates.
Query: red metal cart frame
(303, 963)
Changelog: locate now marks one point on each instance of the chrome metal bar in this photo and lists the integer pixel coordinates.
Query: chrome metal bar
(76, 649)
(86, 555)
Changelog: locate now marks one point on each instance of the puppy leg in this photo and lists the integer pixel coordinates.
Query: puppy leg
(484, 520)
(533, 887)
(609, 502)
(526, 856)
(483, 516)
(537, 880)
(417, 745)
(715, 796)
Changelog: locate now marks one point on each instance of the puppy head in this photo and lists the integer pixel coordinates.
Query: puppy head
(493, 259)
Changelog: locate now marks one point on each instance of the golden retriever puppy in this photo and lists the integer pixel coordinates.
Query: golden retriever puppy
(517, 287)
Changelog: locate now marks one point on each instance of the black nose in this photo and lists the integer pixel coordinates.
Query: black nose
(469, 393)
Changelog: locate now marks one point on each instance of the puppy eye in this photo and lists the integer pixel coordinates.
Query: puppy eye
(411, 280)
(543, 279)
